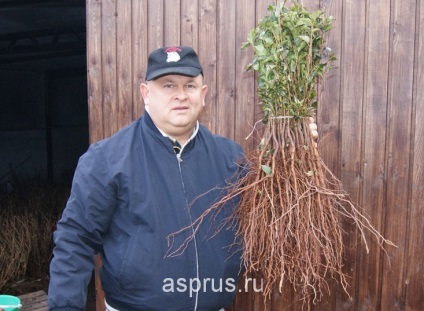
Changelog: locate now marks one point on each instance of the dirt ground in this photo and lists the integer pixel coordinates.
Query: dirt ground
(28, 286)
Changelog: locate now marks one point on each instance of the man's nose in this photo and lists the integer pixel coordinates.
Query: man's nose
(181, 94)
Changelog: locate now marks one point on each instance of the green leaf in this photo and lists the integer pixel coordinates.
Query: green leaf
(260, 50)
(292, 66)
(245, 45)
(305, 38)
(267, 170)
(303, 21)
(289, 57)
(310, 173)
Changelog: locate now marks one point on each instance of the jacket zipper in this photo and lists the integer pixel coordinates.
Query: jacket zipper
(179, 160)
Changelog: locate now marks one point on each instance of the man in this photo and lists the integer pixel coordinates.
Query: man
(131, 191)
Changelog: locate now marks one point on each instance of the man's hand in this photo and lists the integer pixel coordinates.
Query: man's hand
(313, 128)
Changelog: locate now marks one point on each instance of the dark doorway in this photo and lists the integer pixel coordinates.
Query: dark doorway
(43, 87)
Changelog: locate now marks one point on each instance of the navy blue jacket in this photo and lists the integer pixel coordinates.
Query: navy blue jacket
(128, 194)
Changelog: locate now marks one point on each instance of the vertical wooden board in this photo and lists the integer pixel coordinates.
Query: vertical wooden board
(278, 302)
(100, 295)
(245, 80)
(243, 298)
(94, 69)
(208, 57)
(155, 24)
(226, 51)
(109, 95)
(327, 300)
(328, 118)
(329, 92)
(172, 22)
(139, 53)
(95, 99)
(415, 273)
(190, 23)
(124, 63)
(246, 17)
(351, 144)
(284, 300)
(256, 287)
(398, 153)
(109, 78)
(254, 125)
(288, 300)
(374, 138)
(245, 105)
(255, 301)
(296, 302)
(311, 5)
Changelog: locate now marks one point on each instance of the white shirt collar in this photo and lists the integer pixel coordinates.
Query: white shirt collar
(195, 130)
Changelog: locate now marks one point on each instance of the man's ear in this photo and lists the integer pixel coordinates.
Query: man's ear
(144, 90)
(204, 92)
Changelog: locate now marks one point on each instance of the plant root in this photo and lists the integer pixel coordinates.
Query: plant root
(289, 219)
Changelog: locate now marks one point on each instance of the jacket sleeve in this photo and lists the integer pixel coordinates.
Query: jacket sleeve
(78, 236)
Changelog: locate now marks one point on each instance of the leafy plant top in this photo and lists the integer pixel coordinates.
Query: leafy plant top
(291, 208)
(289, 55)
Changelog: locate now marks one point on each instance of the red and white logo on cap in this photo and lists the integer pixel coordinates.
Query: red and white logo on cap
(173, 55)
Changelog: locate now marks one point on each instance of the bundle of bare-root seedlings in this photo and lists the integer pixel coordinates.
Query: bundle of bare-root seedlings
(292, 207)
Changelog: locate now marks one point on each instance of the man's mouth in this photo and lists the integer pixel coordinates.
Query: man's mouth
(179, 108)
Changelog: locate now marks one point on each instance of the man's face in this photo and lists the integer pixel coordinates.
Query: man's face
(174, 103)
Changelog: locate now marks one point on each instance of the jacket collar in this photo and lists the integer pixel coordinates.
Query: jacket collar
(160, 133)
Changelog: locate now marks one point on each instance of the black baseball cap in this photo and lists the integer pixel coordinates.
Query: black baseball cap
(180, 60)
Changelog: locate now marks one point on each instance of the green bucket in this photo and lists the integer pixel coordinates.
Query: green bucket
(10, 303)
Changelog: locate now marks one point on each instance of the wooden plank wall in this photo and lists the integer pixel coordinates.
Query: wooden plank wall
(370, 116)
